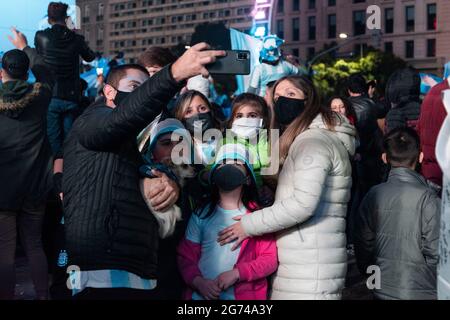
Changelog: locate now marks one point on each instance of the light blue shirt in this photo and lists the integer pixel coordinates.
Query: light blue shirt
(108, 279)
(215, 259)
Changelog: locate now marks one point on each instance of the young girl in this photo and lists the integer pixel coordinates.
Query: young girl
(212, 271)
(249, 123)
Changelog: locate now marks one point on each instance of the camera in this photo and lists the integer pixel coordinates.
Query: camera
(242, 56)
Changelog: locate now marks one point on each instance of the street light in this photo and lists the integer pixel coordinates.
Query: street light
(341, 36)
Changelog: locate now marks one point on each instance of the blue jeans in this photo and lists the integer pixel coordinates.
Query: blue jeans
(60, 117)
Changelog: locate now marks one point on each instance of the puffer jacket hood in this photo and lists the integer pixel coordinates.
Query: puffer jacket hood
(403, 86)
(344, 130)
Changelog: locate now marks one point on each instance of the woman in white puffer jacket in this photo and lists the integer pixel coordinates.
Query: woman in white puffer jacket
(313, 190)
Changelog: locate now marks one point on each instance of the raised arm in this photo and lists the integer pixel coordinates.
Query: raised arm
(104, 131)
(37, 64)
(85, 52)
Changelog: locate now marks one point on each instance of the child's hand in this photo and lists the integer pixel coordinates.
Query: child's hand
(209, 289)
(228, 278)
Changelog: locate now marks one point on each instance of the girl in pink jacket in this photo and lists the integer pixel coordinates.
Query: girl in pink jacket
(212, 271)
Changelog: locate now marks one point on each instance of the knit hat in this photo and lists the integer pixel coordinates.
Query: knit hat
(168, 125)
(233, 151)
(403, 85)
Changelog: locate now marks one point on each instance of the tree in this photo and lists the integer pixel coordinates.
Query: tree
(330, 74)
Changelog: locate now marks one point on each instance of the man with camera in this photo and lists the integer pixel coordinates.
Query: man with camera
(111, 237)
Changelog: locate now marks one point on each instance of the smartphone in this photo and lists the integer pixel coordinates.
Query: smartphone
(235, 62)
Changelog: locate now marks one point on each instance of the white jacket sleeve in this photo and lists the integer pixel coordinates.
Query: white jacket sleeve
(312, 162)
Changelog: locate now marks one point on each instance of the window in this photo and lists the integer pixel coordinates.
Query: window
(311, 52)
(388, 48)
(331, 3)
(280, 28)
(409, 49)
(311, 4)
(431, 17)
(389, 20)
(87, 10)
(296, 29)
(295, 52)
(295, 5)
(359, 22)
(331, 26)
(280, 6)
(409, 18)
(312, 28)
(101, 9)
(358, 1)
(100, 34)
(431, 47)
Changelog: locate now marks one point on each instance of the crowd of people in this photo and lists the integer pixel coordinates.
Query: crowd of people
(164, 193)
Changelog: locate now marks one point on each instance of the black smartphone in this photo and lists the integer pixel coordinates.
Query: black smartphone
(235, 62)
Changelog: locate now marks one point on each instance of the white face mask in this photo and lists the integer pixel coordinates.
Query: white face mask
(247, 127)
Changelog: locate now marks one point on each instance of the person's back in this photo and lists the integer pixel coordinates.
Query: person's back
(61, 49)
(398, 225)
(432, 116)
(402, 92)
(25, 164)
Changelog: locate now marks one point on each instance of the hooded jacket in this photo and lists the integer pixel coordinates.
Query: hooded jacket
(309, 213)
(432, 116)
(25, 155)
(397, 229)
(402, 92)
(61, 48)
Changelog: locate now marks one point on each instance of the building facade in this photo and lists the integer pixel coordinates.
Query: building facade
(111, 26)
(417, 31)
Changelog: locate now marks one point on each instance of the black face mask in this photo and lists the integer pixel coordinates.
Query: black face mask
(229, 177)
(288, 109)
(203, 119)
(120, 96)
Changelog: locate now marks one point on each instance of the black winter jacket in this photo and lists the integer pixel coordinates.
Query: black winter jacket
(61, 48)
(108, 225)
(25, 155)
(403, 93)
(397, 229)
(367, 126)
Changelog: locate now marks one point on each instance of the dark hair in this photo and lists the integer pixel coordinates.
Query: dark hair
(16, 64)
(116, 74)
(402, 147)
(356, 83)
(156, 56)
(270, 84)
(252, 100)
(313, 108)
(57, 12)
(249, 197)
(349, 110)
(186, 98)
